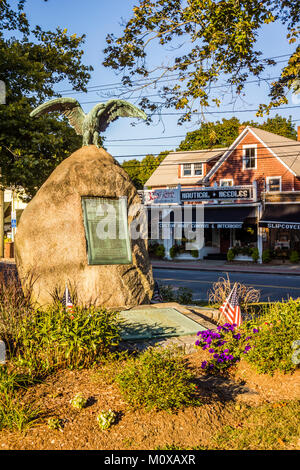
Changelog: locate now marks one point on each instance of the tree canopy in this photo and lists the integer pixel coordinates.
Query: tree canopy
(30, 65)
(216, 42)
(141, 170)
(221, 134)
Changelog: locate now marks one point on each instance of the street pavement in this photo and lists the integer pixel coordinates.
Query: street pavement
(273, 287)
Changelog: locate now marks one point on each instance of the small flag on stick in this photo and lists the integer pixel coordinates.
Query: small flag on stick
(157, 298)
(67, 300)
(231, 308)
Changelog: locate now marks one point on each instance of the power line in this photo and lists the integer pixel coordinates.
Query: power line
(258, 157)
(161, 137)
(155, 78)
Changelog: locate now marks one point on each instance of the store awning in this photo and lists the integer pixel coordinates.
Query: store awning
(284, 216)
(228, 217)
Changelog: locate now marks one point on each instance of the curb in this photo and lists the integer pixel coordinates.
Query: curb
(225, 269)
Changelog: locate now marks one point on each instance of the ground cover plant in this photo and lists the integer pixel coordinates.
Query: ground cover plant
(158, 379)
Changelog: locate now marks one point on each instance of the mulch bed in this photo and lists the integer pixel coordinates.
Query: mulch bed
(190, 427)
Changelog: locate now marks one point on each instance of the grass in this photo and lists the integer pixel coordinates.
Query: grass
(15, 415)
(269, 426)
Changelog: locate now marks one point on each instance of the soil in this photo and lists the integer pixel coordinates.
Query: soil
(141, 430)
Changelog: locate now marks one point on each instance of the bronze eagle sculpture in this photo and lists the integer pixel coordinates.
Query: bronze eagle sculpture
(96, 121)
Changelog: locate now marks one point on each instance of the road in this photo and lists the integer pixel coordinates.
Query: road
(273, 287)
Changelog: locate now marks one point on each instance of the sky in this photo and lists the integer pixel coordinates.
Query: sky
(97, 18)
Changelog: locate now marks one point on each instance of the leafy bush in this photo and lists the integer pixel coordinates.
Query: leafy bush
(173, 251)
(294, 257)
(184, 295)
(266, 256)
(55, 338)
(167, 293)
(230, 254)
(272, 347)
(195, 253)
(266, 341)
(160, 251)
(158, 379)
(255, 254)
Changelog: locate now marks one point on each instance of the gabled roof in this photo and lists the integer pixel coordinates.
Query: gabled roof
(286, 150)
(167, 172)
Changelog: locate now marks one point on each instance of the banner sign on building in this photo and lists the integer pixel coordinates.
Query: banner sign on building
(213, 193)
(162, 196)
(280, 225)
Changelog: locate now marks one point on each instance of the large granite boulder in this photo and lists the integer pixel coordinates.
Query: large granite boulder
(51, 245)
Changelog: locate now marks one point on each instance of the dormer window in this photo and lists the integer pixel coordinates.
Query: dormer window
(191, 169)
(249, 157)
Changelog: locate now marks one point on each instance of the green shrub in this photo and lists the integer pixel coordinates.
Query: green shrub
(195, 253)
(266, 256)
(158, 379)
(294, 257)
(184, 295)
(276, 330)
(55, 338)
(167, 293)
(160, 251)
(230, 254)
(255, 254)
(173, 251)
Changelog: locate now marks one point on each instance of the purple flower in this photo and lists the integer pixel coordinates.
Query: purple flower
(211, 350)
(255, 330)
(237, 336)
(203, 365)
(216, 356)
(247, 348)
(197, 343)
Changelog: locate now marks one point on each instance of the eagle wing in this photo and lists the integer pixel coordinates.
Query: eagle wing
(67, 106)
(113, 109)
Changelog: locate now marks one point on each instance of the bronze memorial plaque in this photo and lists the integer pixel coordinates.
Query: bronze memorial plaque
(106, 230)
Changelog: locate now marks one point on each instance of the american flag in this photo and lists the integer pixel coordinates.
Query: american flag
(67, 299)
(231, 308)
(157, 298)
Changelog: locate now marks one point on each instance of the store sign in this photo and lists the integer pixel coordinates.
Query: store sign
(162, 196)
(195, 225)
(213, 193)
(280, 225)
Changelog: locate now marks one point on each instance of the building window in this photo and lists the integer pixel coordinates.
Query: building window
(192, 169)
(249, 157)
(226, 182)
(198, 169)
(273, 183)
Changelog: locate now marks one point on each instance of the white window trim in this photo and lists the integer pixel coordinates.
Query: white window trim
(249, 146)
(268, 178)
(226, 179)
(192, 175)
